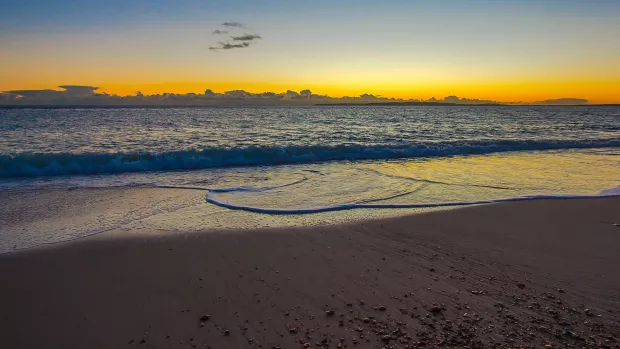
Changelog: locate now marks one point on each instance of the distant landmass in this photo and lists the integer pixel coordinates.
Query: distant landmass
(418, 104)
(87, 96)
(563, 101)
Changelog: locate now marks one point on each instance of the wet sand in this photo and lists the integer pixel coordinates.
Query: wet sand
(531, 274)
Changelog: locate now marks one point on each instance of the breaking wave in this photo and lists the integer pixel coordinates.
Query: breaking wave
(57, 164)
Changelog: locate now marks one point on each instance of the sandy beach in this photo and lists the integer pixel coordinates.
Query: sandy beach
(524, 274)
(309, 174)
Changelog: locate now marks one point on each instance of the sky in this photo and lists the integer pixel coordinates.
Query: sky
(499, 50)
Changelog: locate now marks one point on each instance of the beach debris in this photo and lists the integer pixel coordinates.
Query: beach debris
(205, 318)
(436, 309)
(329, 312)
(521, 285)
(226, 332)
(588, 312)
(572, 334)
(292, 329)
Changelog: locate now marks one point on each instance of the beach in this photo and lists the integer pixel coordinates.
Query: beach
(529, 274)
(280, 174)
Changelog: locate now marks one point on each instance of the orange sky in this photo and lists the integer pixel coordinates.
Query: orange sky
(497, 50)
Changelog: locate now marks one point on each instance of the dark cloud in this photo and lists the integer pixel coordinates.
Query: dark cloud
(68, 91)
(247, 37)
(233, 24)
(238, 41)
(229, 46)
(457, 100)
(79, 90)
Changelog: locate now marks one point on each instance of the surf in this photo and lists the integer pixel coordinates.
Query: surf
(29, 164)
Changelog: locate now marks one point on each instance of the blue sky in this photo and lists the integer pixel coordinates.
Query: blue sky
(33, 15)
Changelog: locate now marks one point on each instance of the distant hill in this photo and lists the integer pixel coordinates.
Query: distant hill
(563, 101)
(416, 104)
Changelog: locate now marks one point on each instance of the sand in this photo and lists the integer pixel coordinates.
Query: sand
(531, 274)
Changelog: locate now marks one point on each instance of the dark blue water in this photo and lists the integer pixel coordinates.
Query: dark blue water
(51, 142)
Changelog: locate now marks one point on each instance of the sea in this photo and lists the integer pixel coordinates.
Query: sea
(280, 166)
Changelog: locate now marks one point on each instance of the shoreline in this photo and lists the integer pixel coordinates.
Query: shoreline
(119, 231)
(529, 273)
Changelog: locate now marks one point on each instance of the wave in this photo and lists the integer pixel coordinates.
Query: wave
(58, 164)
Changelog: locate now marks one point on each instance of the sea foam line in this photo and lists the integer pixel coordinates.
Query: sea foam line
(276, 211)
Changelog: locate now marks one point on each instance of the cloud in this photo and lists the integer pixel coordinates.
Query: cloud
(247, 37)
(239, 41)
(79, 90)
(72, 91)
(229, 46)
(233, 24)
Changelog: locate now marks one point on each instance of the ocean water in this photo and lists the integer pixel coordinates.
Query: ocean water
(294, 161)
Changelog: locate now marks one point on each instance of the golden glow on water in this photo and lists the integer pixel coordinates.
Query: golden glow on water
(438, 180)
(449, 179)
(514, 174)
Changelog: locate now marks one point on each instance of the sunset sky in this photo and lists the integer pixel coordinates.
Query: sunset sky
(498, 50)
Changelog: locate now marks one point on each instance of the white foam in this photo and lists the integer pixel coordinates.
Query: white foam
(611, 192)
